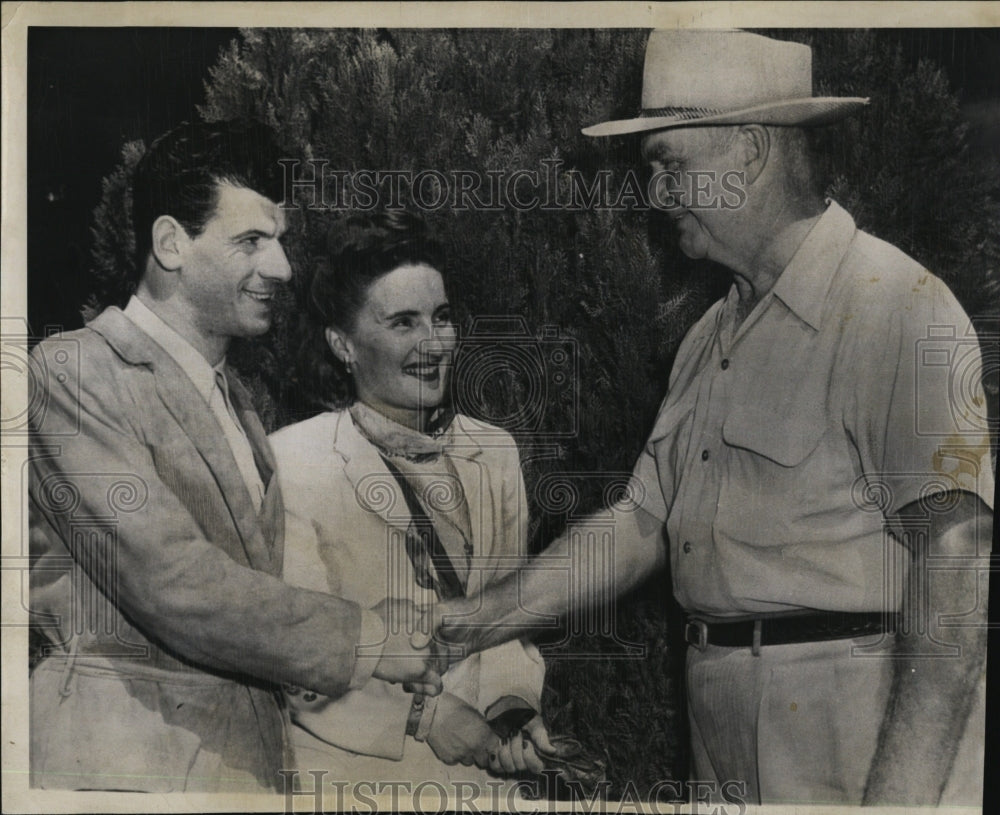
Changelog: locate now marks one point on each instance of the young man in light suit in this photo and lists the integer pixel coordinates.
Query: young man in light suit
(156, 520)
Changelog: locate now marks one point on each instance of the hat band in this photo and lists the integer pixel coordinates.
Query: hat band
(679, 113)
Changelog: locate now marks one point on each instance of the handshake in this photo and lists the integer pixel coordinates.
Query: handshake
(420, 644)
(415, 653)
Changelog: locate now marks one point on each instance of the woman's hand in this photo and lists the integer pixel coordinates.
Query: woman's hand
(460, 734)
(519, 754)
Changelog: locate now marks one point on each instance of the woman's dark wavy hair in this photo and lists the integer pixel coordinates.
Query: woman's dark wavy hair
(360, 249)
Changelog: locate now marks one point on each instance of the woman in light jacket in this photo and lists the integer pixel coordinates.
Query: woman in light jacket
(409, 500)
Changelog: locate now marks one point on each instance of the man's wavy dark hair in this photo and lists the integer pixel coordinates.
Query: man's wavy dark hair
(180, 173)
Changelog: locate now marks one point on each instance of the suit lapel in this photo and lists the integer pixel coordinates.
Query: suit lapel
(374, 486)
(474, 479)
(378, 492)
(186, 405)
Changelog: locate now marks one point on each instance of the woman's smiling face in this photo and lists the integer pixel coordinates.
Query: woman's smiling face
(401, 345)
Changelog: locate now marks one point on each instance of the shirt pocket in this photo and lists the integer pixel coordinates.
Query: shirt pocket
(662, 459)
(786, 440)
(772, 475)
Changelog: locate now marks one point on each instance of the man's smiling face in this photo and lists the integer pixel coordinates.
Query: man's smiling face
(232, 270)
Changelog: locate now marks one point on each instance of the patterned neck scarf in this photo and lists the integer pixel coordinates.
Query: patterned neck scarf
(423, 461)
(399, 441)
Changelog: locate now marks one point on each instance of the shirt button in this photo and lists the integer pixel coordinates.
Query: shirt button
(687, 547)
(725, 364)
(704, 455)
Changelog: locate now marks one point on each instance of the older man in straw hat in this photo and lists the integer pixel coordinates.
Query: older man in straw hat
(821, 496)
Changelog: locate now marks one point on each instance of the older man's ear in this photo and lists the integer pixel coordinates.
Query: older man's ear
(753, 149)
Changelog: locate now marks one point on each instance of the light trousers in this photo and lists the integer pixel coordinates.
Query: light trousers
(800, 723)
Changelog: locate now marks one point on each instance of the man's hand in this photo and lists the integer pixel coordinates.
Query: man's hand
(532, 598)
(460, 734)
(464, 625)
(406, 653)
(448, 642)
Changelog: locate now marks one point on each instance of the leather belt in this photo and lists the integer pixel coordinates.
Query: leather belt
(788, 629)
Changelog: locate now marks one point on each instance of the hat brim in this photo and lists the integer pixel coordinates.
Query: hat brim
(810, 112)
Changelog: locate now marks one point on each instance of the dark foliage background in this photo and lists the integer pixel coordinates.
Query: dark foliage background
(607, 288)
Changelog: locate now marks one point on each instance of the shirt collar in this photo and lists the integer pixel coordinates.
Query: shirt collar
(805, 281)
(184, 354)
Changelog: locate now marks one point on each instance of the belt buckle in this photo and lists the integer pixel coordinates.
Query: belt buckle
(696, 633)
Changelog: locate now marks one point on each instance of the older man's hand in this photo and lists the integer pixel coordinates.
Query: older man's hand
(460, 629)
(447, 645)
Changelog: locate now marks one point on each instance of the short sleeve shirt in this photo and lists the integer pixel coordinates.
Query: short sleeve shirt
(786, 444)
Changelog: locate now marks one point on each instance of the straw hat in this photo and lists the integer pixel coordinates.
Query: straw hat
(707, 77)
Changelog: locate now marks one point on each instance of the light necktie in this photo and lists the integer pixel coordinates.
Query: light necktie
(222, 407)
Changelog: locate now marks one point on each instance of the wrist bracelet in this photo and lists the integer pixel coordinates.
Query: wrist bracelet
(416, 711)
(427, 719)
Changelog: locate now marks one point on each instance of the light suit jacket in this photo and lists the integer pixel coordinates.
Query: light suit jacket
(335, 480)
(155, 581)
